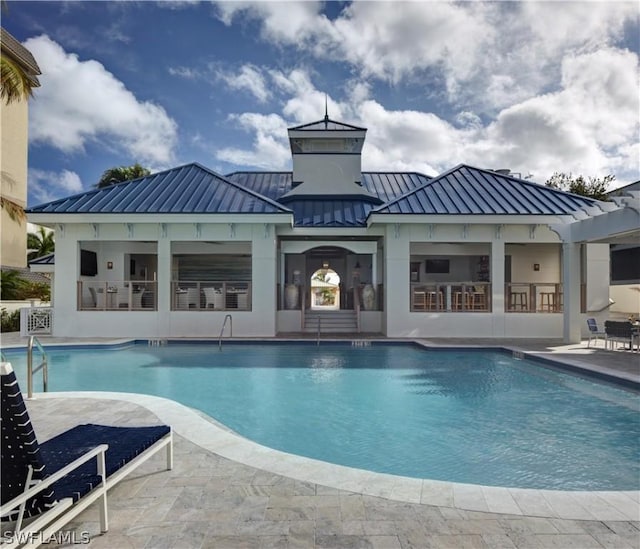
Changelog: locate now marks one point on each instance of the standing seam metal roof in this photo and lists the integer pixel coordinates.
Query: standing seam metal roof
(187, 189)
(192, 188)
(473, 191)
(332, 211)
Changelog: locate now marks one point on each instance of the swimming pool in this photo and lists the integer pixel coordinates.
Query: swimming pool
(475, 417)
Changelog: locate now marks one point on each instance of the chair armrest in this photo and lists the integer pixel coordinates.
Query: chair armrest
(55, 477)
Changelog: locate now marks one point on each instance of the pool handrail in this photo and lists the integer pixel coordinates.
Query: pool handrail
(44, 366)
(224, 323)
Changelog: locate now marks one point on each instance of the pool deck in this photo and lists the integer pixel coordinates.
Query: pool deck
(226, 491)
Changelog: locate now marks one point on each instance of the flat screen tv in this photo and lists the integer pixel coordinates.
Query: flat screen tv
(436, 266)
(88, 263)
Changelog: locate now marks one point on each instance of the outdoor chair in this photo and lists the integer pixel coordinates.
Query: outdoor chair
(621, 332)
(213, 298)
(193, 298)
(594, 332)
(51, 483)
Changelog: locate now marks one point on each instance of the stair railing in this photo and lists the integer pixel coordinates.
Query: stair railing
(318, 335)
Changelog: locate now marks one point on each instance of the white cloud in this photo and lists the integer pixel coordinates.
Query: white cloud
(584, 128)
(288, 22)
(80, 101)
(247, 78)
(490, 54)
(270, 147)
(589, 126)
(46, 186)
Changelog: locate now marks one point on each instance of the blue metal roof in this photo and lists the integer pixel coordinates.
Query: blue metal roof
(49, 259)
(337, 212)
(186, 189)
(466, 190)
(330, 213)
(193, 188)
(384, 185)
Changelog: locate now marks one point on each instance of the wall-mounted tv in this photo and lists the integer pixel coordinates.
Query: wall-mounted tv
(88, 263)
(436, 266)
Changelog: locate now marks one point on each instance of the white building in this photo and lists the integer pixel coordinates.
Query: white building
(469, 253)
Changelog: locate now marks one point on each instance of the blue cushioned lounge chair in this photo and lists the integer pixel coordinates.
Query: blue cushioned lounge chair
(53, 482)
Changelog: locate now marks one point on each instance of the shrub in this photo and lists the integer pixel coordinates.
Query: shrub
(13, 287)
(9, 322)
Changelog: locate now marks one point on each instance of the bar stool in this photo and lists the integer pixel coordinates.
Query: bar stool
(457, 300)
(419, 300)
(435, 300)
(518, 299)
(478, 300)
(548, 301)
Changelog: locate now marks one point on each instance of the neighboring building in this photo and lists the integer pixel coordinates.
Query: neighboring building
(13, 160)
(469, 253)
(625, 266)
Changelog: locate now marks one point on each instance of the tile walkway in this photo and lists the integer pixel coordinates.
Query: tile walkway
(226, 491)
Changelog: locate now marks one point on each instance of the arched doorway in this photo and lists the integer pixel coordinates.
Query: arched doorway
(325, 290)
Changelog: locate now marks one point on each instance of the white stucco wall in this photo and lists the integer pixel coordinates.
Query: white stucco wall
(523, 243)
(116, 240)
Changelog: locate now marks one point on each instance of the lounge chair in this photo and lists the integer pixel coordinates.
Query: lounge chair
(54, 481)
(594, 332)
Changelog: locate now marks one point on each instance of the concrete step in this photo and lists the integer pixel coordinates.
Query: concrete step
(330, 321)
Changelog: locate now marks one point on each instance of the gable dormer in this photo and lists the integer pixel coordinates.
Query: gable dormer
(327, 160)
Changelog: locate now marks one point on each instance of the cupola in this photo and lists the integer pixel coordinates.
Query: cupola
(327, 160)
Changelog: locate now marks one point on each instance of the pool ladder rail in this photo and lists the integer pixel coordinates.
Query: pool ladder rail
(44, 366)
(230, 319)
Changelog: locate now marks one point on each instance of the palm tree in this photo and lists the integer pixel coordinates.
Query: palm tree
(40, 243)
(120, 174)
(15, 83)
(12, 286)
(18, 69)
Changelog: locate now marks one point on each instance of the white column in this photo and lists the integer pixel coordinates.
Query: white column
(571, 291)
(163, 285)
(374, 270)
(497, 288)
(65, 313)
(283, 274)
(396, 282)
(263, 282)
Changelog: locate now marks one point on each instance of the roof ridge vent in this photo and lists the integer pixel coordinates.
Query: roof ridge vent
(503, 171)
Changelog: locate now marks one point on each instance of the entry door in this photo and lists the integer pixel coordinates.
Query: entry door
(507, 269)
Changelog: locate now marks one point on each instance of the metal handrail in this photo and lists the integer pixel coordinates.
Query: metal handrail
(318, 336)
(230, 318)
(356, 302)
(44, 366)
(303, 305)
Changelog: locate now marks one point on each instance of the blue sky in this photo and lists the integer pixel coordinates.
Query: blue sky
(536, 87)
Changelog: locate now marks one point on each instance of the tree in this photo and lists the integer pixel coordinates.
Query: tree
(17, 79)
(40, 243)
(592, 188)
(120, 174)
(12, 286)
(15, 83)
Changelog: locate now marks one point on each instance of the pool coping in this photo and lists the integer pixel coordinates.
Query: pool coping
(195, 427)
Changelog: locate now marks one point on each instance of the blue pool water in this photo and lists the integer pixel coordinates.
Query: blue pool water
(475, 417)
